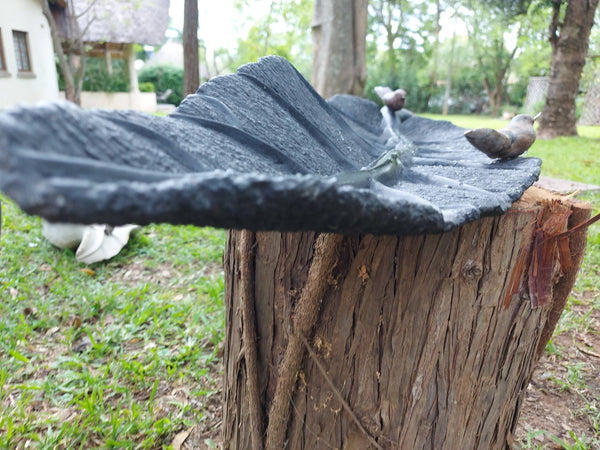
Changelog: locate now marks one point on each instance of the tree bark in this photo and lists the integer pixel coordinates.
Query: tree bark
(569, 50)
(419, 341)
(339, 47)
(191, 63)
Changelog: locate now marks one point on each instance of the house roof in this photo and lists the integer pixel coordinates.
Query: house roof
(123, 22)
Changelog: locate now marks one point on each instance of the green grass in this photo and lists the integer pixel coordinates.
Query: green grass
(575, 158)
(124, 353)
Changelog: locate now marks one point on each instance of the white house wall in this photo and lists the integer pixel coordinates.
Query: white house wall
(41, 84)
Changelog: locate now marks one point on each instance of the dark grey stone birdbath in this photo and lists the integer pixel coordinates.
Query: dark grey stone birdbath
(360, 248)
(257, 150)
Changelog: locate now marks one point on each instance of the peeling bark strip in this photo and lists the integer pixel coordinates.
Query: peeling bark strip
(412, 333)
(249, 336)
(546, 258)
(303, 320)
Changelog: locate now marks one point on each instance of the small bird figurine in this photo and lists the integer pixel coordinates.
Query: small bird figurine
(508, 142)
(394, 100)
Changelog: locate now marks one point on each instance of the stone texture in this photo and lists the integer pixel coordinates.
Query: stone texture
(260, 150)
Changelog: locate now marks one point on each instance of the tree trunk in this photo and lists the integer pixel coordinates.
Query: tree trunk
(191, 63)
(420, 341)
(339, 47)
(435, 54)
(72, 74)
(133, 77)
(568, 58)
(448, 88)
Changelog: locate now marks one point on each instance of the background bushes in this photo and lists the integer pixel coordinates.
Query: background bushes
(164, 77)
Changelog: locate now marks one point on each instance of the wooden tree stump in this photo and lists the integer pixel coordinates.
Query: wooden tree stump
(419, 340)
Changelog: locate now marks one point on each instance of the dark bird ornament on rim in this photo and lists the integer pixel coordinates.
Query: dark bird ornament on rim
(508, 142)
(394, 100)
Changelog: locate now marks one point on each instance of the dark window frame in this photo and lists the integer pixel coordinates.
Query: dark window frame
(3, 67)
(22, 51)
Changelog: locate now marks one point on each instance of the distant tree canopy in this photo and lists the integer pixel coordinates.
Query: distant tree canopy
(458, 56)
(284, 31)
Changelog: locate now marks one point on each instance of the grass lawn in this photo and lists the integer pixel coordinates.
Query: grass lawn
(574, 158)
(120, 354)
(126, 353)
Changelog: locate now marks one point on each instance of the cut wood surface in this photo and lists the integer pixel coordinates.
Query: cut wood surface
(420, 342)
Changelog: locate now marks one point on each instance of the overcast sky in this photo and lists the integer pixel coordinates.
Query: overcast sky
(220, 24)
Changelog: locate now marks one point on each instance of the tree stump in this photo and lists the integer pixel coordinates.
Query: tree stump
(421, 341)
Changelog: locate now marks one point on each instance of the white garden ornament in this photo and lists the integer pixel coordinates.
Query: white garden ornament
(93, 242)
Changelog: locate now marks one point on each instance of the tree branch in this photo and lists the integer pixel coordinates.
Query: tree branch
(554, 23)
(57, 44)
(85, 10)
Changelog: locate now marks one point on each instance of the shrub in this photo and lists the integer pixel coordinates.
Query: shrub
(164, 77)
(146, 86)
(97, 78)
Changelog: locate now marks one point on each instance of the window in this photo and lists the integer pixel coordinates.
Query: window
(22, 51)
(2, 61)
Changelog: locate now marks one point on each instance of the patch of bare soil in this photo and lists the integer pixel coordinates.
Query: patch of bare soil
(163, 273)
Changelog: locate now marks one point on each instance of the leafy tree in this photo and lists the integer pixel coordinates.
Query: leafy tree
(489, 25)
(407, 29)
(533, 56)
(569, 30)
(283, 31)
(68, 40)
(403, 44)
(463, 91)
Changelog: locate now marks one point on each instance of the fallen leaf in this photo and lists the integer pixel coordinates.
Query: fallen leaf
(52, 331)
(180, 438)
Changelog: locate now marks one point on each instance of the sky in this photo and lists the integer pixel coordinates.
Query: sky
(220, 24)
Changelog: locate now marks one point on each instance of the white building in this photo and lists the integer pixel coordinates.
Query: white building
(27, 68)
(112, 27)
